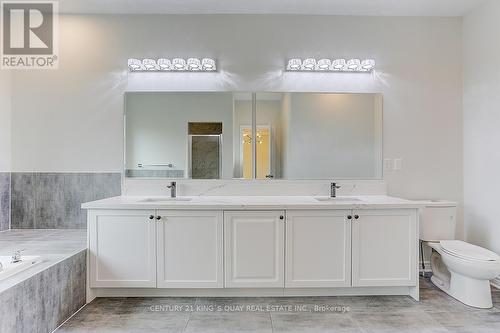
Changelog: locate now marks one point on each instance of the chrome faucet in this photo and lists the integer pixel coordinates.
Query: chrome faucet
(333, 189)
(16, 257)
(173, 189)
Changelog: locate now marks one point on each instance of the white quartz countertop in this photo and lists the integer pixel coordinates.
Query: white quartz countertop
(252, 203)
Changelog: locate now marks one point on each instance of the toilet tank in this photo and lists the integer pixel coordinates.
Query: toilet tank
(438, 220)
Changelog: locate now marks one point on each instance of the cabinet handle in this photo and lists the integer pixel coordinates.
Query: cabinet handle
(356, 217)
(282, 217)
(151, 217)
(158, 218)
(349, 217)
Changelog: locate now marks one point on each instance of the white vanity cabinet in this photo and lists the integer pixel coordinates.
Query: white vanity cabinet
(384, 247)
(122, 248)
(190, 249)
(254, 249)
(218, 251)
(318, 248)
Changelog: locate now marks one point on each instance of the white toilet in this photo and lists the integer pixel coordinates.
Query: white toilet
(460, 269)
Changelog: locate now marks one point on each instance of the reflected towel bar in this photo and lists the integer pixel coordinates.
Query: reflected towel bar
(140, 165)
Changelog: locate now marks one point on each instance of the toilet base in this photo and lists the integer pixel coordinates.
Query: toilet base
(471, 292)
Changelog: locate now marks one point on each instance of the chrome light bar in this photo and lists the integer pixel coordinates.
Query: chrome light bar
(330, 65)
(174, 65)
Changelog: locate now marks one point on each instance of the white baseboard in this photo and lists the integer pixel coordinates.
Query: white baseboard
(250, 292)
(496, 282)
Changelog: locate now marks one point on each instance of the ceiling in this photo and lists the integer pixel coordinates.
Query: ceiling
(326, 7)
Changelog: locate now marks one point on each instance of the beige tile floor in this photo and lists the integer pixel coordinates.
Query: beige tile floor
(436, 312)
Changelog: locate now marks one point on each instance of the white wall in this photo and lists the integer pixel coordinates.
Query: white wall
(70, 119)
(5, 125)
(481, 53)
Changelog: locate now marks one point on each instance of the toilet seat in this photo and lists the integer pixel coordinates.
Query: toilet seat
(468, 251)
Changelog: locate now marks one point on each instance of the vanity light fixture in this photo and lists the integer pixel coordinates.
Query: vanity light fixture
(328, 65)
(176, 64)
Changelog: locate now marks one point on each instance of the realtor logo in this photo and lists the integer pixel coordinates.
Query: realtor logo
(29, 34)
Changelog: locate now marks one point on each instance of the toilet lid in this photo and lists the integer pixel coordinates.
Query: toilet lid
(468, 251)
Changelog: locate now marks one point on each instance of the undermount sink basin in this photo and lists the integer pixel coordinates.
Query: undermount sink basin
(165, 199)
(337, 199)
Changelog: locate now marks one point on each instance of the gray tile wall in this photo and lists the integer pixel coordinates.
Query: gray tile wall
(4, 200)
(53, 200)
(46, 300)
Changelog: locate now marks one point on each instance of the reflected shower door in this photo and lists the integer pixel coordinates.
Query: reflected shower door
(205, 150)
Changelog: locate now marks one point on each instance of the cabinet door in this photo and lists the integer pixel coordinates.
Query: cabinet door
(384, 244)
(318, 249)
(254, 249)
(190, 249)
(122, 248)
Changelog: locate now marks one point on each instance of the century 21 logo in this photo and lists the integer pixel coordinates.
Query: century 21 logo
(28, 34)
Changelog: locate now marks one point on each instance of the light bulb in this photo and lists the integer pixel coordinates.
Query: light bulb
(368, 64)
(194, 64)
(149, 64)
(164, 64)
(353, 64)
(134, 64)
(309, 64)
(324, 64)
(179, 64)
(208, 64)
(338, 64)
(294, 64)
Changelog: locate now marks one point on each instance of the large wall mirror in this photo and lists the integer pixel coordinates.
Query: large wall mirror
(225, 135)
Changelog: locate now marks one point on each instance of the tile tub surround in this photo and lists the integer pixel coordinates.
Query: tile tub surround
(45, 295)
(44, 301)
(4, 201)
(52, 200)
(52, 245)
(436, 312)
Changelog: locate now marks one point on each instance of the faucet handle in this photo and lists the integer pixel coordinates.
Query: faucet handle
(172, 184)
(333, 184)
(16, 257)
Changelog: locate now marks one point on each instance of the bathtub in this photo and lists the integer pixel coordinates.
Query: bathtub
(9, 268)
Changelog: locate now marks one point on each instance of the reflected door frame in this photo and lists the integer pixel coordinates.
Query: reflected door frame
(259, 127)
